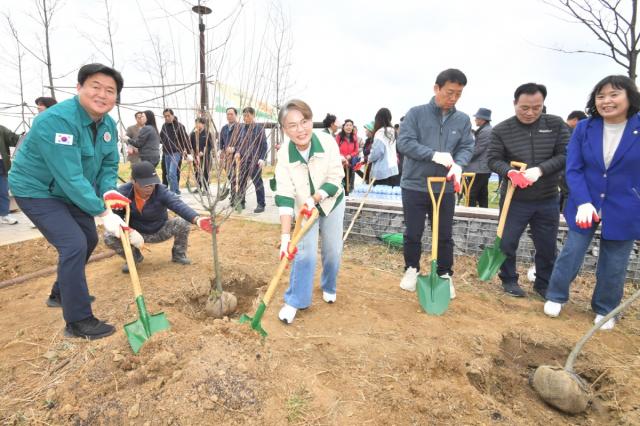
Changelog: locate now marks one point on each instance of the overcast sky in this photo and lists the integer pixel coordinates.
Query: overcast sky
(347, 57)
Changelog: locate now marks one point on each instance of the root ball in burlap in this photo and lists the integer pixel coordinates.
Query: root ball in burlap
(561, 389)
(221, 306)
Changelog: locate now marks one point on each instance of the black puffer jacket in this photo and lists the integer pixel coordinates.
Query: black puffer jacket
(541, 144)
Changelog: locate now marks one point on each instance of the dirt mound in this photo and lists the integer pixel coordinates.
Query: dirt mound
(370, 358)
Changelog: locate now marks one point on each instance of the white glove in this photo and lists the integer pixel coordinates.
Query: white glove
(310, 204)
(112, 223)
(190, 158)
(136, 239)
(443, 158)
(586, 215)
(455, 172)
(260, 163)
(533, 174)
(284, 245)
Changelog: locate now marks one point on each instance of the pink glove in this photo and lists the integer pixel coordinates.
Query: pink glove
(116, 199)
(586, 216)
(455, 173)
(518, 179)
(204, 223)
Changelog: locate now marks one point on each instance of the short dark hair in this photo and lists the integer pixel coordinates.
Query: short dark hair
(231, 108)
(249, 110)
(621, 82)
(453, 75)
(47, 102)
(88, 70)
(580, 115)
(201, 120)
(329, 120)
(530, 89)
(137, 114)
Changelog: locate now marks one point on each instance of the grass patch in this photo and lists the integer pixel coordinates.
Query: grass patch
(298, 405)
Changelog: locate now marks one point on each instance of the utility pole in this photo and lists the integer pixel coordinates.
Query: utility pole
(202, 10)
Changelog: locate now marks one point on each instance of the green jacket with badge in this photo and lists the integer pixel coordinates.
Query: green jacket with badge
(67, 156)
(7, 139)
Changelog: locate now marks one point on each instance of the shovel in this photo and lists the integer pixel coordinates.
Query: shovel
(433, 291)
(492, 257)
(466, 186)
(298, 233)
(146, 325)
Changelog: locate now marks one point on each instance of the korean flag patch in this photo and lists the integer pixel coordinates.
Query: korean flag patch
(64, 139)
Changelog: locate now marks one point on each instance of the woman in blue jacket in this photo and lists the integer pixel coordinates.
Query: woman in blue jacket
(604, 189)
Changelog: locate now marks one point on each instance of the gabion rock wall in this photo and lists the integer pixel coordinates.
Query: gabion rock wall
(473, 230)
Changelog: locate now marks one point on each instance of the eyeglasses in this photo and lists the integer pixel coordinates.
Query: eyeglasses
(301, 125)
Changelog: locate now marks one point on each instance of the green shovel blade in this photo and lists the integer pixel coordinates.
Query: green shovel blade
(433, 291)
(143, 328)
(255, 322)
(490, 261)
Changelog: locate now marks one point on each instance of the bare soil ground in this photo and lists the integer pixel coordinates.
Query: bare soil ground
(371, 358)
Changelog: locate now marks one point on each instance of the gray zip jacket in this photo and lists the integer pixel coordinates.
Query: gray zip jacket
(423, 133)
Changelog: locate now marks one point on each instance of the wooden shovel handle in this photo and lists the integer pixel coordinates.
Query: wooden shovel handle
(355, 216)
(507, 199)
(128, 254)
(435, 208)
(285, 260)
(466, 187)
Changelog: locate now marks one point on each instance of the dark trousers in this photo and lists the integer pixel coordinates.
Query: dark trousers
(479, 193)
(73, 233)
(163, 166)
(543, 216)
(256, 179)
(352, 176)
(416, 205)
(390, 181)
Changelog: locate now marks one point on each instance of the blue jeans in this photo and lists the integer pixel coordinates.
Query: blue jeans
(73, 233)
(543, 216)
(300, 289)
(171, 161)
(611, 270)
(4, 191)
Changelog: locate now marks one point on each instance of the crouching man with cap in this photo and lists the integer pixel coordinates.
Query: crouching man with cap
(149, 221)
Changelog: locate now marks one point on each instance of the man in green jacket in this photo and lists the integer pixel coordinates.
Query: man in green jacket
(7, 139)
(62, 175)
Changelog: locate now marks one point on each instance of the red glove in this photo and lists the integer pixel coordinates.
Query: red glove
(586, 216)
(116, 199)
(285, 246)
(306, 211)
(455, 173)
(204, 223)
(518, 179)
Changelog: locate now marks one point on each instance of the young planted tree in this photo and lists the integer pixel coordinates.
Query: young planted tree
(19, 57)
(45, 11)
(614, 23)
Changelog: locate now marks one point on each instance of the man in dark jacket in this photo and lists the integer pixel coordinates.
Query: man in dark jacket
(201, 147)
(479, 192)
(175, 140)
(435, 140)
(251, 150)
(149, 221)
(540, 141)
(7, 139)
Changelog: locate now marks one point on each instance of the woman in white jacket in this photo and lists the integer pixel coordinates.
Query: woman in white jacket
(383, 156)
(309, 174)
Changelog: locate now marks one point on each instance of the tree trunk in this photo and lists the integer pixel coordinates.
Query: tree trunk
(216, 256)
(45, 13)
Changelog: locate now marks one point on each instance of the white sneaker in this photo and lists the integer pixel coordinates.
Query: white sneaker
(552, 309)
(287, 314)
(8, 220)
(452, 290)
(607, 325)
(531, 273)
(328, 297)
(409, 279)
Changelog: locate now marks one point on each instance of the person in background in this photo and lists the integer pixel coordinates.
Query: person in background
(149, 221)
(61, 177)
(201, 147)
(148, 140)
(348, 145)
(365, 172)
(479, 193)
(604, 190)
(572, 121)
(7, 139)
(331, 124)
(44, 102)
(308, 175)
(539, 140)
(383, 157)
(132, 133)
(175, 140)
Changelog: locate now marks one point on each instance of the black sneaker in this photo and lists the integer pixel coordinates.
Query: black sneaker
(540, 292)
(181, 259)
(91, 328)
(54, 300)
(259, 209)
(137, 258)
(514, 290)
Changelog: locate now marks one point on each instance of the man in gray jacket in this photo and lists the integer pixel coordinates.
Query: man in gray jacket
(538, 140)
(479, 192)
(435, 140)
